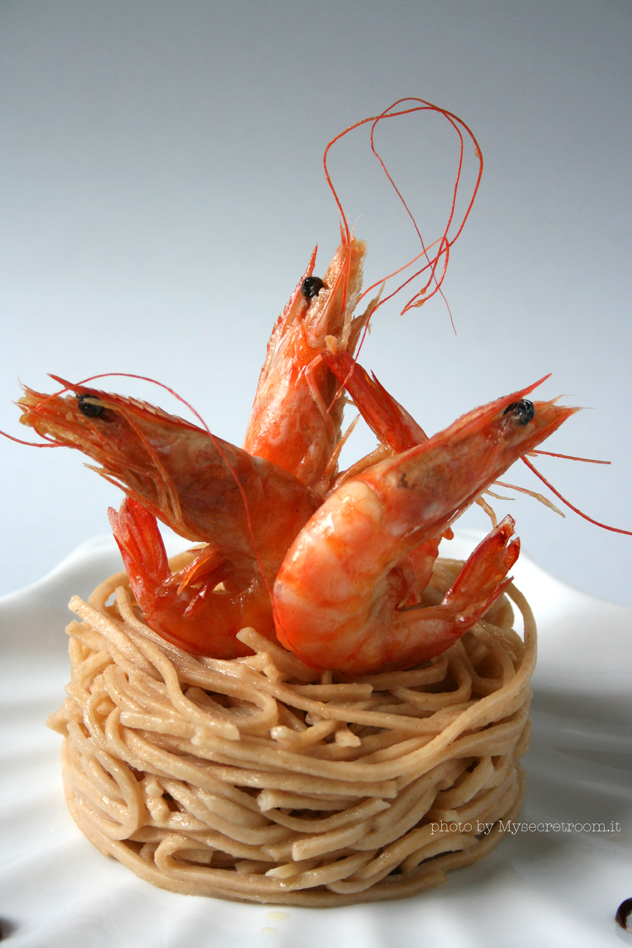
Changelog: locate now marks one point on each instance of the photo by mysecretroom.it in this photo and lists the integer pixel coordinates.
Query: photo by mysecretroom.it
(513, 827)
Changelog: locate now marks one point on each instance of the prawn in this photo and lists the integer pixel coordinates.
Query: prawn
(290, 423)
(205, 489)
(296, 418)
(340, 597)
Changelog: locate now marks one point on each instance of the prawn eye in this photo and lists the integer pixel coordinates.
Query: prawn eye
(311, 287)
(89, 406)
(523, 411)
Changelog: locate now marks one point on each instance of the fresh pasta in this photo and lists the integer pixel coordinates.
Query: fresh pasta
(260, 779)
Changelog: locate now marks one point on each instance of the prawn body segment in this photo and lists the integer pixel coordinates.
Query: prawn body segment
(388, 420)
(341, 595)
(397, 431)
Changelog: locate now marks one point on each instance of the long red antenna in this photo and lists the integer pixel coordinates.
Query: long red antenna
(445, 241)
(30, 444)
(568, 457)
(572, 507)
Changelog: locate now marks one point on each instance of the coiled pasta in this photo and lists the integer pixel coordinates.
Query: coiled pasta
(260, 779)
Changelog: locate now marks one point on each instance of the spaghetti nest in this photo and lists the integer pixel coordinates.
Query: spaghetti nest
(260, 779)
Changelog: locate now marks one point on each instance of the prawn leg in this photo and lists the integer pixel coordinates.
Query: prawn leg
(483, 578)
(184, 607)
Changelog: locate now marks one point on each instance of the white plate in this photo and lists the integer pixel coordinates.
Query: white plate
(540, 887)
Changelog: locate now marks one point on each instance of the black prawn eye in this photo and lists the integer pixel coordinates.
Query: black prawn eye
(311, 287)
(523, 411)
(89, 406)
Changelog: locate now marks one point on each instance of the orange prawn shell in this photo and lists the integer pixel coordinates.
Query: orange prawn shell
(204, 488)
(296, 420)
(337, 594)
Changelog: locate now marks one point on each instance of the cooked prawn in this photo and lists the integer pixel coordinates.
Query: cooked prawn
(297, 415)
(203, 488)
(186, 477)
(290, 422)
(340, 596)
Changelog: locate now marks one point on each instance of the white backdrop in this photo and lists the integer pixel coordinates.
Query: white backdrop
(162, 190)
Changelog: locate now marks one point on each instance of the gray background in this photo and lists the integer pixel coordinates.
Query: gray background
(162, 189)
